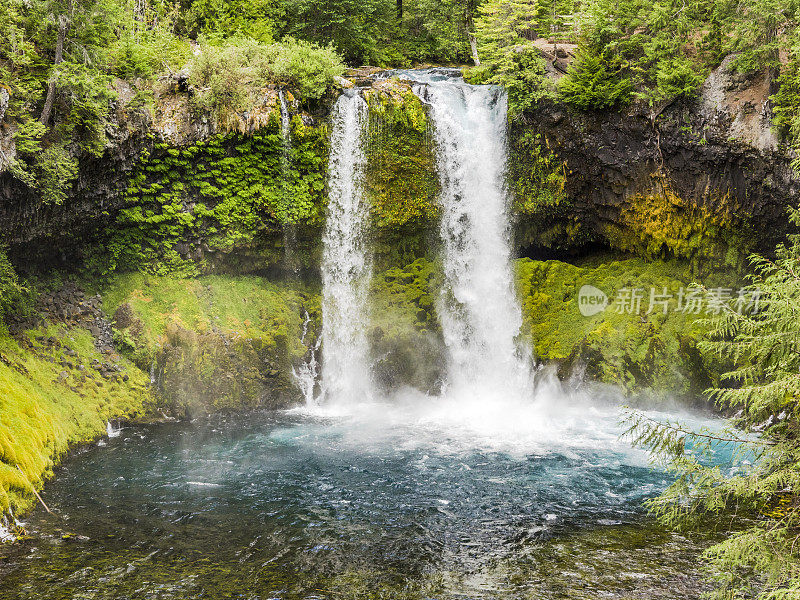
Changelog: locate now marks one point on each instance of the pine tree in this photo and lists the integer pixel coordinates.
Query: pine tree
(759, 492)
(505, 31)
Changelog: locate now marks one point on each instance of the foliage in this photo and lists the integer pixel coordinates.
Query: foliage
(634, 49)
(147, 53)
(225, 191)
(356, 27)
(760, 489)
(58, 169)
(595, 83)
(10, 288)
(786, 102)
(226, 76)
(254, 19)
(759, 30)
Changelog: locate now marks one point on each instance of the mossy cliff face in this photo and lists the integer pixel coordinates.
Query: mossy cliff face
(176, 195)
(644, 339)
(56, 390)
(401, 180)
(404, 332)
(686, 183)
(221, 204)
(213, 343)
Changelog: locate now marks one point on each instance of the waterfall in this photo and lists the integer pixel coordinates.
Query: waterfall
(289, 234)
(287, 142)
(346, 267)
(477, 307)
(305, 376)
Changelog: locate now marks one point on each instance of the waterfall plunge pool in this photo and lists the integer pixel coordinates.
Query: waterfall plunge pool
(417, 498)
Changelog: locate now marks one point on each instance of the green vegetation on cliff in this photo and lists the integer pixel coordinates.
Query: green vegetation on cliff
(645, 339)
(217, 196)
(404, 330)
(55, 392)
(216, 342)
(401, 179)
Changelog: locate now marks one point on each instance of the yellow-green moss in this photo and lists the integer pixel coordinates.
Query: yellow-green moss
(402, 183)
(216, 341)
(46, 406)
(404, 330)
(662, 224)
(635, 350)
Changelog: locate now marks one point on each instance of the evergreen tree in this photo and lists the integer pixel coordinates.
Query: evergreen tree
(759, 492)
(505, 31)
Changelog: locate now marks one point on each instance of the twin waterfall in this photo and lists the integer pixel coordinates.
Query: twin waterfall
(346, 268)
(477, 308)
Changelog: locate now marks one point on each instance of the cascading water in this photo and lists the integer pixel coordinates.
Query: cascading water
(289, 234)
(479, 313)
(305, 375)
(346, 267)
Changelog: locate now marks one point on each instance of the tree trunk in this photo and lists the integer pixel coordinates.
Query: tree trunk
(469, 24)
(473, 44)
(63, 23)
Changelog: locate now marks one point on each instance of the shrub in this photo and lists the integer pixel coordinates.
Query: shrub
(144, 54)
(307, 67)
(224, 74)
(593, 82)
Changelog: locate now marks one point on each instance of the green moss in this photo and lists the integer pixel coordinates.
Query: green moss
(630, 348)
(47, 405)
(216, 342)
(217, 197)
(663, 225)
(538, 176)
(402, 183)
(404, 330)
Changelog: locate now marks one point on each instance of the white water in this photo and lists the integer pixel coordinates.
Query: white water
(346, 268)
(289, 234)
(478, 309)
(287, 142)
(305, 376)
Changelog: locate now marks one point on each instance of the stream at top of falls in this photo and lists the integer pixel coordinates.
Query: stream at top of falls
(507, 484)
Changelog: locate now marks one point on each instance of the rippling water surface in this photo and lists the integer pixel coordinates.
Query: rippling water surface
(417, 498)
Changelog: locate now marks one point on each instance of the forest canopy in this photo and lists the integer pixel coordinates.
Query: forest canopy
(58, 58)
